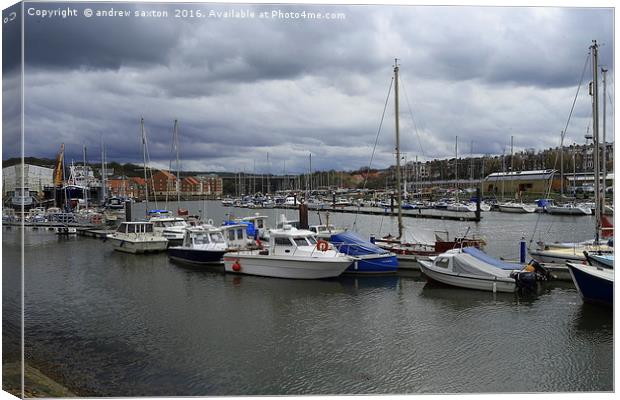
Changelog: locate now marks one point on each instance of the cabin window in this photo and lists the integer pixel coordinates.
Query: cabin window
(259, 223)
(231, 235)
(131, 228)
(300, 241)
(442, 262)
(282, 241)
(216, 237)
(201, 239)
(312, 240)
(148, 228)
(239, 233)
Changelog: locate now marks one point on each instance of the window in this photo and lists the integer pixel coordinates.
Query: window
(216, 237)
(231, 234)
(300, 241)
(240, 233)
(442, 262)
(201, 239)
(312, 240)
(282, 241)
(148, 228)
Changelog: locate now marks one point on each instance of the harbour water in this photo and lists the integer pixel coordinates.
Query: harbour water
(117, 324)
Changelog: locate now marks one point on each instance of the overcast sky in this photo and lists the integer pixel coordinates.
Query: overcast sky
(252, 89)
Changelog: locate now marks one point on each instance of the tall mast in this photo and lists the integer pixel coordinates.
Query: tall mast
(102, 173)
(175, 141)
(561, 164)
(512, 168)
(456, 167)
(604, 71)
(85, 177)
(597, 166)
(397, 127)
(146, 182)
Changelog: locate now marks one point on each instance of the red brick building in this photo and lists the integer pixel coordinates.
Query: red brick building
(164, 181)
(191, 186)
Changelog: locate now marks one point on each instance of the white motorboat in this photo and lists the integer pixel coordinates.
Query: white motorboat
(563, 253)
(137, 237)
(201, 245)
(324, 231)
(458, 268)
(292, 253)
(513, 207)
(172, 228)
(569, 209)
(462, 207)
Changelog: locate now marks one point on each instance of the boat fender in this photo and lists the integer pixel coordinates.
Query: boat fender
(236, 266)
(259, 243)
(209, 221)
(322, 245)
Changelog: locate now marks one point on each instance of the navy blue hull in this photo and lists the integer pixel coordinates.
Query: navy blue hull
(196, 256)
(593, 289)
(380, 265)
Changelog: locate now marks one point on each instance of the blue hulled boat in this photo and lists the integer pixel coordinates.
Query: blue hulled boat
(369, 258)
(595, 284)
(200, 246)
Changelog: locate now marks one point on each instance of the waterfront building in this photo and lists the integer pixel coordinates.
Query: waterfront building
(211, 184)
(164, 182)
(521, 182)
(191, 186)
(34, 177)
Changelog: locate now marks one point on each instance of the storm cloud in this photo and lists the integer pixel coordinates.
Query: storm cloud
(247, 90)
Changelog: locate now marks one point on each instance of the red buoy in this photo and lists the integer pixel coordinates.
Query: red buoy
(236, 266)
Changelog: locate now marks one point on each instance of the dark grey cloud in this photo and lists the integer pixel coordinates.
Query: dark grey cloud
(242, 89)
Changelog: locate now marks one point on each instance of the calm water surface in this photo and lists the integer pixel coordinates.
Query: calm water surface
(123, 325)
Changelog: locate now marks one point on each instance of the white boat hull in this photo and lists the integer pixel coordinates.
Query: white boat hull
(469, 281)
(517, 209)
(569, 210)
(137, 247)
(252, 263)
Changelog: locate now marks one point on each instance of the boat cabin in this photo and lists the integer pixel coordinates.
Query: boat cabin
(199, 236)
(135, 227)
(236, 236)
(290, 240)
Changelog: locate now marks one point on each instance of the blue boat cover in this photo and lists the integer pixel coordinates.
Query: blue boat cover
(249, 227)
(352, 244)
(482, 256)
(543, 202)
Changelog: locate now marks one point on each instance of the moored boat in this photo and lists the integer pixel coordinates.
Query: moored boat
(513, 207)
(595, 284)
(201, 245)
(137, 237)
(292, 253)
(369, 258)
(457, 268)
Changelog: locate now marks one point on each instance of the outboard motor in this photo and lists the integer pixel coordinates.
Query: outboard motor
(528, 276)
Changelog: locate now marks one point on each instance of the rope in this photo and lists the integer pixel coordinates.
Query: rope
(387, 98)
(583, 71)
(415, 127)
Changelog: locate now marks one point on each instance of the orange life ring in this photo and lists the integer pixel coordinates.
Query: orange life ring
(322, 245)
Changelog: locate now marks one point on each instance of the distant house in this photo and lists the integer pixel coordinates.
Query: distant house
(211, 184)
(191, 186)
(164, 182)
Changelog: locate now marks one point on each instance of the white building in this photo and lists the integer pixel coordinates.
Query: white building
(35, 177)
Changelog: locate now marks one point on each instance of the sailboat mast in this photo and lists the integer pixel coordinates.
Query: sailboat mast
(456, 167)
(604, 183)
(146, 182)
(86, 187)
(397, 127)
(597, 166)
(176, 146)
(562, 164)
(102, 174)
